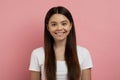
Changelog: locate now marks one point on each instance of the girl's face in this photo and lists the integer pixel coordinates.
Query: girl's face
(59, 27)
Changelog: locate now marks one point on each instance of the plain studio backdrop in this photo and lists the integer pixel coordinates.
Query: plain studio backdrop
(97, 24)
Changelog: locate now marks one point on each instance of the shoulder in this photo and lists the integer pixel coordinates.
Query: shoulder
(37, 59)
(38, 53)
(84, 57)
(82, 53)
(82, 50)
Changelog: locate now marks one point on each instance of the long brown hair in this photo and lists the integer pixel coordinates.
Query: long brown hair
(71, 57)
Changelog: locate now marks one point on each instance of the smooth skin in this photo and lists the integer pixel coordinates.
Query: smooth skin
(59, 27)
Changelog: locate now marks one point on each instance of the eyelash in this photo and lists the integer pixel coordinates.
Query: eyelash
(56, 24)
(64, 24)
(53, 24)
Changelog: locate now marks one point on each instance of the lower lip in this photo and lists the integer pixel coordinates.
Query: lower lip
(61, 34)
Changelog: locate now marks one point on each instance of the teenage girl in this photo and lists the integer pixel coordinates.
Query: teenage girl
(60, 58)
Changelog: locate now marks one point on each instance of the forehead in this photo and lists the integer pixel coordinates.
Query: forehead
(58, 18)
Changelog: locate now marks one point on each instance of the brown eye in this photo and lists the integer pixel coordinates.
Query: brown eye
(54, 24)
(64, 24)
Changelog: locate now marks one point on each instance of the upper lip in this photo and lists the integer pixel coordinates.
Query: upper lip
(59, 32)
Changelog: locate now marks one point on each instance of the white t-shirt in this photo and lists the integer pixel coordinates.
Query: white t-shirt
(37, 62)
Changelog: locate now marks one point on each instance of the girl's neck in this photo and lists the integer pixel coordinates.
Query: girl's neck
(60, 44)
(59, 48)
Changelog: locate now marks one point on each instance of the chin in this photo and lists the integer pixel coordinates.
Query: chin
(60, 39)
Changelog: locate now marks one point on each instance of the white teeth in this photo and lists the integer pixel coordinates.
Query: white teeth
(59, 33)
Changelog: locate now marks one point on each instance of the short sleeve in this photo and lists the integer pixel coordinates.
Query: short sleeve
(87, 61)
(34, 62)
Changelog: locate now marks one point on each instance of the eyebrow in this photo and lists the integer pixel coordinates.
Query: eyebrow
(64, 21)
(61, 21)
(53, 22)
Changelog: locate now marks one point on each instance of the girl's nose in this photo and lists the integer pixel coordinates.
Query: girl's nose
(59, 27)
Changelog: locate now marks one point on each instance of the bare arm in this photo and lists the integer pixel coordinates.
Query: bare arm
(86, 74)
(35, 75)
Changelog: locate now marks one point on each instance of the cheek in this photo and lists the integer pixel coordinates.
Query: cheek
(51, 30)
(68, 28)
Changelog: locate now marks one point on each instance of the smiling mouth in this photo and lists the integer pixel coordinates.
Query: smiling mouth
(60, 33)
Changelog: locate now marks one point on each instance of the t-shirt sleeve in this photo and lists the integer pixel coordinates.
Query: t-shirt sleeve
(87, 61)
(34, 62)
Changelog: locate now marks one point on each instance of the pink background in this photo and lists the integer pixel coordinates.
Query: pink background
(97, 27)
